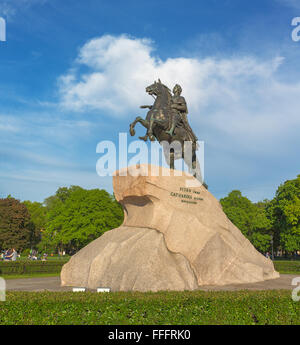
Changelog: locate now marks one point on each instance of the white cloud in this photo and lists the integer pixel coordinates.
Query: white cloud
(38, 159)
(42, 126)
(240, 97)
(9, 8)
(291, 3)
(119, 68)
(8, 124)
(246, 114)
(39, 183)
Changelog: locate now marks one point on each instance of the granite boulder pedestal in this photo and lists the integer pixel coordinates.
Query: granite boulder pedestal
(174, 237)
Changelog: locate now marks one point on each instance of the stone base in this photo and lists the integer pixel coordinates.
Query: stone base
(174, 237)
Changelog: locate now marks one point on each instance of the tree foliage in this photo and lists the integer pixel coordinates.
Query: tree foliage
(284, 210)
(16, 229)
(73, 217)
(38, 214)
(250, 218)
(77, 216)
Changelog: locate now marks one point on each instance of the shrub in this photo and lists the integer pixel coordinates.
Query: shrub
(30, 267)
(161, 308)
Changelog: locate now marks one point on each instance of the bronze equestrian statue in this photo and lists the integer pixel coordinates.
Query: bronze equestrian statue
(166, 121)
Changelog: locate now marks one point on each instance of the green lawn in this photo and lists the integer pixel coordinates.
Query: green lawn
(49, 258)
(25, 269)
(162, 308)
(196, 307)
(287, 267)
(31, 275)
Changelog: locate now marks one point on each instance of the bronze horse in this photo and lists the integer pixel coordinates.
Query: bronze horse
(157, 122)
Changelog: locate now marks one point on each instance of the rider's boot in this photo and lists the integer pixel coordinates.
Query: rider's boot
(171, 130)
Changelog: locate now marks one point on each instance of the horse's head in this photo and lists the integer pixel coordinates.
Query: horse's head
(157, 88)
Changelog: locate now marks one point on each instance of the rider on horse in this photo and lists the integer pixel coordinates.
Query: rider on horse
(180, 113)
(166, 121)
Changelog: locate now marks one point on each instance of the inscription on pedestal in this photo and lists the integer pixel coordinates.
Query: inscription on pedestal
(187, 195)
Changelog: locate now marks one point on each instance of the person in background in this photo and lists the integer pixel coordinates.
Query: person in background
(14, 255)
(8, 255)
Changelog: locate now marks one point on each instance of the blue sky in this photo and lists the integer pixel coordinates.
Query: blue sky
(73, 73)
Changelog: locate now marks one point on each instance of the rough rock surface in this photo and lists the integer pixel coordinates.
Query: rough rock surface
(174, 237)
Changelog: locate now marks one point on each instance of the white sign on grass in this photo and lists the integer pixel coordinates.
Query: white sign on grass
(103, 289)
(2, 290)
(78, 289)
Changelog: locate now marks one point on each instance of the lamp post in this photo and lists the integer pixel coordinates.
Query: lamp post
(272, 248)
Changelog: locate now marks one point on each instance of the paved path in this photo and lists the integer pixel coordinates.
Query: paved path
(36, 284)
(284, 282)
(53, 284)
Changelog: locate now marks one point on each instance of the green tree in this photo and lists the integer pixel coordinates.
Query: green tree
(77, 216)
(38, 214)
(16, 229)
(250, 218)
(284, 211)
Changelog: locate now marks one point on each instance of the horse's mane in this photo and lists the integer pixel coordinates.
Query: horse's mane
(166, 88)
(169, 92)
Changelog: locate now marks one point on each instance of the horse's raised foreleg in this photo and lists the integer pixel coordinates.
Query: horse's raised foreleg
(143, 122)
(132, 125)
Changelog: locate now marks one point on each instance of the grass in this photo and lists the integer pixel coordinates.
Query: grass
(161, 308)
(30, 268)
(49, 258)
(287, 267)
(31, 275)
